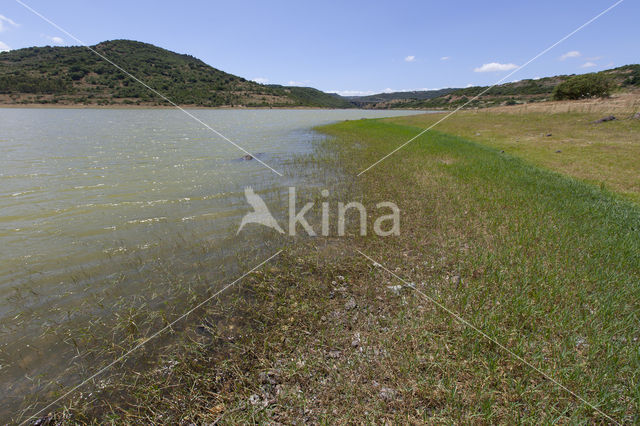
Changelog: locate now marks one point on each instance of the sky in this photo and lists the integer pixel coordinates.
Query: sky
(350, 47)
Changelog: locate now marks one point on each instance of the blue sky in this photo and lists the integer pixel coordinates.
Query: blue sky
(352, 47)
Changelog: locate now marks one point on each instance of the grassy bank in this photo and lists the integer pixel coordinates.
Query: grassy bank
(545, 264)
(569, 142)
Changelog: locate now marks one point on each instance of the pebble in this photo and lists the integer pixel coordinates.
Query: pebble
(355, 342)
(268, 378)
(387, 394)
(395, 288)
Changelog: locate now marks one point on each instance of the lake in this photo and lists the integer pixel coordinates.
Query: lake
(102, 210)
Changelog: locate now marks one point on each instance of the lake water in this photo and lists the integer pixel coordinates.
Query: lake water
(95, 202)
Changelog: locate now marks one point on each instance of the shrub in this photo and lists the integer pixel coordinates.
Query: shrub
(583, 86)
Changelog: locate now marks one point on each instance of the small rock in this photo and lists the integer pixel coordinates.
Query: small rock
(351, 304)
(268, 378)
(43, 421)
(247, 157)
(502, 152)
(636, 116)
(395, 288)
(387, 394)
(558, 152)
(205, 329)
(356, 340)
(605, 119)
(340, 277)
(455, 280)
(254, 399)
(335, 354)
(549, 134)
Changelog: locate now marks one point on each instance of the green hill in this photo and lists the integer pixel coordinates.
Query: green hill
(622, 78)
(383, 98)
(75, 75)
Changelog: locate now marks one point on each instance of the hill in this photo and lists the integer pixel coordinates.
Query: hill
(381, 98)
(75, 75)
(524, 91)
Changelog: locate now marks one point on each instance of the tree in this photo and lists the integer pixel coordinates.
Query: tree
(583, 86)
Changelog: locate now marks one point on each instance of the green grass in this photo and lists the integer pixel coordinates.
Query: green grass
(546, 264)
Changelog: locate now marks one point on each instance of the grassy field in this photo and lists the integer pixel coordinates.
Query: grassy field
(544, 263)
(569, 142)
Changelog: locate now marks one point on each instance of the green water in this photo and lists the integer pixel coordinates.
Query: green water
(101, 209)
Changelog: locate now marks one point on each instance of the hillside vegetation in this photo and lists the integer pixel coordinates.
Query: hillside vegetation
(394, 96)
(525, 91)
(75, 75)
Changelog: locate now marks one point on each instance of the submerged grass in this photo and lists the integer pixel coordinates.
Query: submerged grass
(546, 264)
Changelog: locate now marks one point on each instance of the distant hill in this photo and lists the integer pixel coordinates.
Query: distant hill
(539, 90)
(394, 96)
(74, 75)
(311, 96)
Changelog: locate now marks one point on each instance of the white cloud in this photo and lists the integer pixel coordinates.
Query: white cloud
(445, 58)
(4, 21)
(571, 54)
(353, 92)
(419, 89)
(469, 85)
(298, 83)
(588, 65)
(56, 40)
(375, 92)
(495, 66)
(410, 58)
(4, 47)
(261, 80)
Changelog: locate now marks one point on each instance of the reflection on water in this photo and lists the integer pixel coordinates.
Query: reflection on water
(101, 207)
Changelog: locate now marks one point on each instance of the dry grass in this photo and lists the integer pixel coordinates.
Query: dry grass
(624, 103)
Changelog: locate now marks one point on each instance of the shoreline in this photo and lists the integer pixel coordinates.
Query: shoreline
(345, 339)
(93, 106)
(617, 103)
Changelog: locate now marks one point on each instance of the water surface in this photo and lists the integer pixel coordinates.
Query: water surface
(94, 202)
